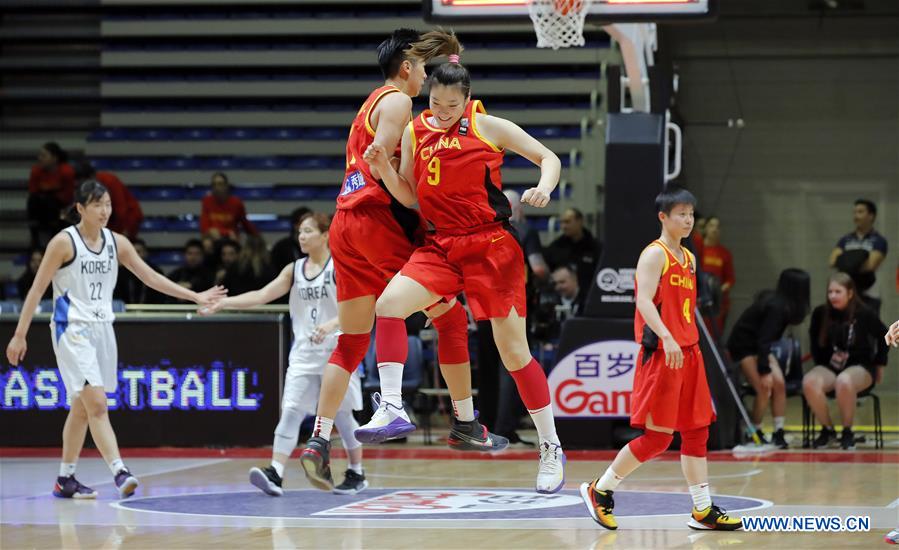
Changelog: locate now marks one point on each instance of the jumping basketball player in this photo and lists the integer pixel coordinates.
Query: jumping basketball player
(450, 164)
(372, 236)
(82, 262)
(670, 388)
(313, 315)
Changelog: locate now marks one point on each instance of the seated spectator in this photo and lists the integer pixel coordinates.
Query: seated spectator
(761, 325)
(287, 250)
(861, 252)
(126, 212)
(193, 274)
(222, 213)
(228, 254)
(571, 298)
(51, 191)
(849, 356)
(23, 284)
(576, 246)
(697, 239)
(132, 290)
(717, 262)
(253, 269)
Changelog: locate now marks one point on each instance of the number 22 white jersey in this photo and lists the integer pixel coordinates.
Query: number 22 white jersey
(82, 288)
(313, 302)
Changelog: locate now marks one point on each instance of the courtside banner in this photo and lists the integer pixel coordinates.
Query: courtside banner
(595, 380)
(187, 382)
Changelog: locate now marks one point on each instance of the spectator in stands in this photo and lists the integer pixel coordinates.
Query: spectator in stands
(576, 246)
(51, 191)
(228, 252)
(222, 213)
(718, 265)
(697, 238)
(287, 250)
(23, 284)
(849, 355)
(253, 269)
(132, 290)
(570, 296)
(861, 252)
(760, 326)
(126, 212)
(193, 274)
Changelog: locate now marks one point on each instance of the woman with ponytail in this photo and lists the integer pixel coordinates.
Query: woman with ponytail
(450, 165)
(372, 236)
(82, 263)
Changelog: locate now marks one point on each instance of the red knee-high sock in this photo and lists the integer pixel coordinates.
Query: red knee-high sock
(532, 385)
(392, 348)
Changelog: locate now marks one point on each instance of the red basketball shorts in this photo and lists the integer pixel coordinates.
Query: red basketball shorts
(488, 265)
(676, 398)
(369, 246)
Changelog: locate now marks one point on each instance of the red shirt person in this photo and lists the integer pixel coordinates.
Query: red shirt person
(222, 213)
(51, 188)
(718, 261)
(450, 165)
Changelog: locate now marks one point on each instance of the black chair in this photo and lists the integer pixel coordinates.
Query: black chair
(809, 424)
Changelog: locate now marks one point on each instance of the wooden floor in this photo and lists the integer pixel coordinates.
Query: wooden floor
(431, 497)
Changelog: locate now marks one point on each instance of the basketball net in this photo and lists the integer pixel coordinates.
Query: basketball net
(559, 23)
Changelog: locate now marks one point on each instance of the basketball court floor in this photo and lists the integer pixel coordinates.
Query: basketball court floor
(433, 497)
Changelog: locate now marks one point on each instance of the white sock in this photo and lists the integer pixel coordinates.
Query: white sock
(609, 480)
(758, 427)
(356, 468)
(66, 469)
(545, 424)
(778, 423)
(278, 468)
(323, 427)
(391, 375)
(701, 497)
(116, 466)
(464, 409)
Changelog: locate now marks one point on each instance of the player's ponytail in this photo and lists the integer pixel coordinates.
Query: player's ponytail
(435, 44)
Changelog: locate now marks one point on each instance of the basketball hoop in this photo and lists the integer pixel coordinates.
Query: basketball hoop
(559, 23)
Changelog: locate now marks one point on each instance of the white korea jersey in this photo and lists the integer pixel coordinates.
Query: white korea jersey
(313, 301)
(82, 288)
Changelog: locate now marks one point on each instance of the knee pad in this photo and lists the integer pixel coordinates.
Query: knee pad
(695, 442)
(650, 445)
(350, 350)
(452, 336)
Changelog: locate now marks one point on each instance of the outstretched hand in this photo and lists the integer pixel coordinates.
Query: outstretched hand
(212, 308)
(892, 335)
(211, 295)
(535, 197)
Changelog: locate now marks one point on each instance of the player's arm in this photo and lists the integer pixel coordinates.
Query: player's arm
(649, 272)
(59, 251)
(508, 135)
(834, 254)
(390, 116)
(278, 287)
(129, 258)
(398, 184)
(892, 335)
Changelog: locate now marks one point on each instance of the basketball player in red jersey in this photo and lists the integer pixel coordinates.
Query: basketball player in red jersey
(371, 237)
(450, 164)
(670, 388)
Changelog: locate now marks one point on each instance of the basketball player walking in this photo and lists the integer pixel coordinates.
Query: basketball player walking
(82, 263)
(670, 388)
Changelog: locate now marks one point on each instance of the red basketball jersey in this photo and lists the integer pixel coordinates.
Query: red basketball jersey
(457, 172)
(675, 298)
(359, 186)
